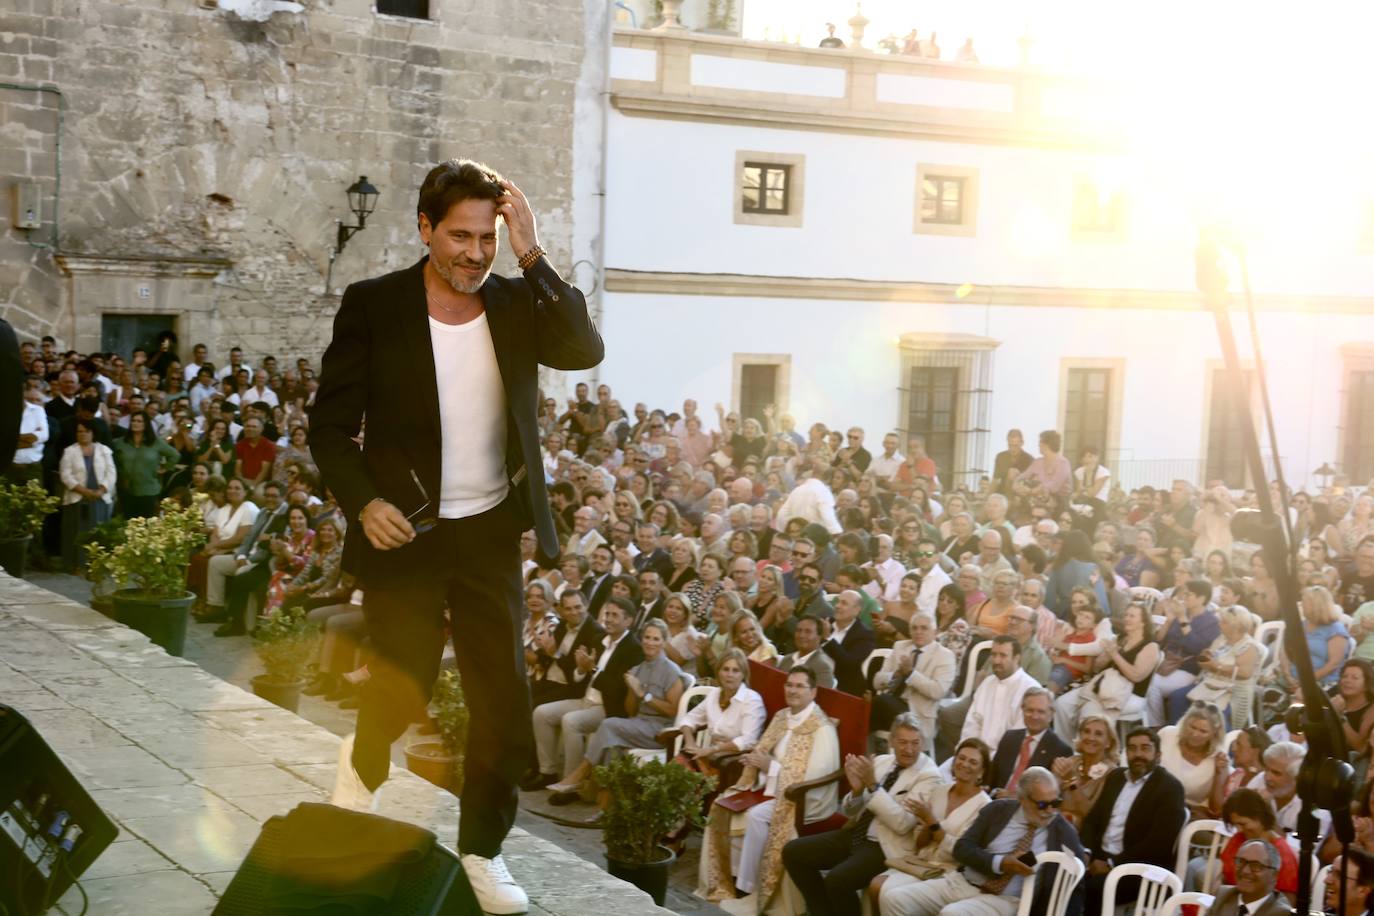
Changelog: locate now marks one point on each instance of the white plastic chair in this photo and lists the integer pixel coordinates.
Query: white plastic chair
(1319, 884)
(1066, 877)
(684, 705)
(975, 660)
(1270, 635)
(1175, 904)
(1229, 740)
(1156, 885)
(877, 655)
(1183, 852)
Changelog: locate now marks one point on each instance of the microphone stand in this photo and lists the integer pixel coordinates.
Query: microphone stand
(1326, 780)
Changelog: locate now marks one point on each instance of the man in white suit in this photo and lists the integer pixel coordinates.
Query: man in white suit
(914, 678)
(831, 869)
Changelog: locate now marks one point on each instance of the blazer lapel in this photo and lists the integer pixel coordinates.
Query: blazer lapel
(414, 315)
(494, 300)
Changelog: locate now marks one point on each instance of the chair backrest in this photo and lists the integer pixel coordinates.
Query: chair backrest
(1156, 885)
(1210, 879)
(1319, 883)
(1270, 635)
(1229, 740)
(849, 712)
(1068, 871)
(873, 664)
(1143, 594)
(1174, 904)
(975, 660)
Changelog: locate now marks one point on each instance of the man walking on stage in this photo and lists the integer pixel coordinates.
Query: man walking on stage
(442, 359)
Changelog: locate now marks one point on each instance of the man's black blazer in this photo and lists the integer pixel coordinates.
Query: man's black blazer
(1152, 825)
(589, 636)
(849, 658)
(1050, 748)
(611, 681)
(643, 613)
(380, 365)
(597, 596)
(657, 560)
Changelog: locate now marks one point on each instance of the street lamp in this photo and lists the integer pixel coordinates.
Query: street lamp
(1325, 472)
(362, 200)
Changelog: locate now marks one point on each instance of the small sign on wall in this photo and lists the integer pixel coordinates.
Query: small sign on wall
(145, 292)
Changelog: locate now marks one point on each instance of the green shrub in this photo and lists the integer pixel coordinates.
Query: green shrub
(286, 642)
(23, 508)
(154, 555)
(648, 801)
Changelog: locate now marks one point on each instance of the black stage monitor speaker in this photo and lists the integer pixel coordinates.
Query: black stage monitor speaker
(50, 829)
(319, 860)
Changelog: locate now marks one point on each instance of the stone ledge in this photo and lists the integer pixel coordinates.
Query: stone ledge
(190, 767)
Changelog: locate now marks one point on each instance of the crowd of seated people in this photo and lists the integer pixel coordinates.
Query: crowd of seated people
(1056, 655)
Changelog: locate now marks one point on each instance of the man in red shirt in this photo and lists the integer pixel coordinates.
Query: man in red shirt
(255, 454)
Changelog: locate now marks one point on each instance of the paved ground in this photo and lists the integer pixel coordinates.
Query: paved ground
(232, 660)
(190, 766)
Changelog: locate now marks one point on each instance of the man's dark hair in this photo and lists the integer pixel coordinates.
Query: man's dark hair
(810, 675)
(801, 620)
(166, 335)
(807, 541)
(1199, 587)
(1036, 557)
(853, 573)
(453, 181)
(1052, 439)
(853, 517)
(238, 350)
(1147, 732)
(1006, 640)
(571, 593)
(1249, 803)
(272, 485)
(624, 604)
(820, 576)
(48, 338)
(853, 542)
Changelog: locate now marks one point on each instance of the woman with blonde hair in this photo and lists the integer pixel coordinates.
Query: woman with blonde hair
(1328, 640)
(747, 635)
(770, 603)
(1082, 776)
(1191, 751)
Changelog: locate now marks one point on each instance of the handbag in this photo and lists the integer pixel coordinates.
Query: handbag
(1111, 688)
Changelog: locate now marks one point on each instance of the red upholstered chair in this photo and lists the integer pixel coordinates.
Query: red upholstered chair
(851, 720)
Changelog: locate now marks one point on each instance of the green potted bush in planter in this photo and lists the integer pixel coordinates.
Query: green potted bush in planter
(149, 571)
(441, 761)
(107, 535)
(647, 801)
(286, 643)
(22, 510)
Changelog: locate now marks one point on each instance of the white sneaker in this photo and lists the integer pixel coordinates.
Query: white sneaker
(349, 789)
(497, 893)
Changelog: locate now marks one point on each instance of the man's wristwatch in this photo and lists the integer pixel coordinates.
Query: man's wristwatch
(648, 697)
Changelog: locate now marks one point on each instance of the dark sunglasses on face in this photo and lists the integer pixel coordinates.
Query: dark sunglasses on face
(1045, 805)
(808, 579)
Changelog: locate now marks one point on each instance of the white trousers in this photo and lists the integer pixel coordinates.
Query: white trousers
(951, 895)
(1078, 704)
(756, 822)
(218, 569)
(1161, 685)
(564, 726)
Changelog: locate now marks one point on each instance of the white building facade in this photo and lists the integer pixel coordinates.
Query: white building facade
(943, 248)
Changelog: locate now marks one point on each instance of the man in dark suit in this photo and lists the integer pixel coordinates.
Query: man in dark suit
(849, 643)
(1033, 746)
(650, 555)
(555, 654)
(443, 358)
(651, 598)
(1136, 819)
(1257, 869)
(993, 853)
(597, 586)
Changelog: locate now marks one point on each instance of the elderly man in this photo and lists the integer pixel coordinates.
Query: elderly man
(585, 537)
(990, 560)
(744, 577)
(886, 572)
(885, 466)
(1279, 782)
(1041, 531)
(715, 534)
(1257, 868)
(1136, 819)
(849, 644)
(933, 576)
(880, 826)
(1034, 745)
(806, 635)
(913, 679)
(992, 852)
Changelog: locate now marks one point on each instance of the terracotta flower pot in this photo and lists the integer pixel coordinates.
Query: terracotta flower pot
(429, 761)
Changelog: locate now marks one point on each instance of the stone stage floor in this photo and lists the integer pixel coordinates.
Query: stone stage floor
(190, 766)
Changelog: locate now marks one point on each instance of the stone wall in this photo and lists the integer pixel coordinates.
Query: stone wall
(205, 153)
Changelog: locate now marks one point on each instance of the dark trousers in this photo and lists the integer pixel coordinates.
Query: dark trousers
(852, 862)
(482, 589)
(240, 588)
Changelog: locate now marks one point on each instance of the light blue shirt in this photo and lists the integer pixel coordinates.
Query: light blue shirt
(1002, 845)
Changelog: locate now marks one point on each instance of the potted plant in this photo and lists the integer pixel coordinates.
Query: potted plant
(107, 535)
(22, 510)
(441, 762)
(149, 572)
(286, 643)
(646, 802)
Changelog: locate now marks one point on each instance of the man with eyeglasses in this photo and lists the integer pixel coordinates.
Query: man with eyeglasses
(803, 552)
(585, 537)
(995, 852)
(933, 576)
(779, 555)
(853, 457)
(1136, 819)
(1257, 868)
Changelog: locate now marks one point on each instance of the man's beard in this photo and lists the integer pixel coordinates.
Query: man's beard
(455, 280)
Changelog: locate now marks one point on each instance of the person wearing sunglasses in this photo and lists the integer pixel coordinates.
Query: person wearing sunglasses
(996, 853)
(1136, 819)
(450, 353)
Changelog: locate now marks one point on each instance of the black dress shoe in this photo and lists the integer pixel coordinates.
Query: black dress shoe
(207, 617)
(535, 781)
(231, 628)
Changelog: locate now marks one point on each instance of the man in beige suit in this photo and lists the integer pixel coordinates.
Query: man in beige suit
(914, 678)
(1257, 868)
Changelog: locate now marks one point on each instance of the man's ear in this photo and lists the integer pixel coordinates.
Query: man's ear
(426, 229)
